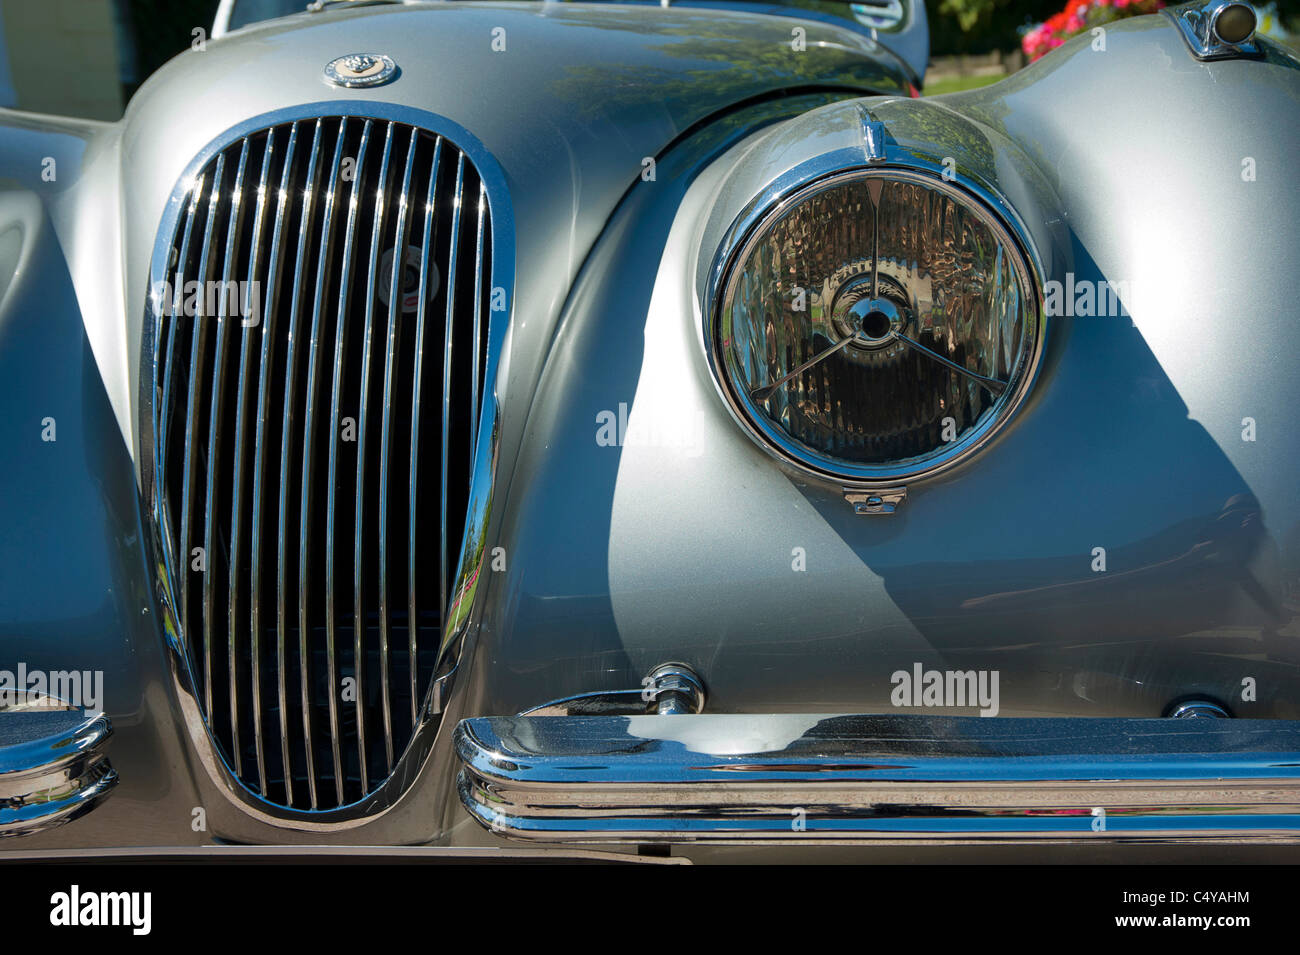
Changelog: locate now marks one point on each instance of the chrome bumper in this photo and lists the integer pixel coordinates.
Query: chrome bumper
(867, 779)
(52, 769)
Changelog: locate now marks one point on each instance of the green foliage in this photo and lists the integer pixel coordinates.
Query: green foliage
(968, 12)
(162, 29)
(981, 26)
(959, 84)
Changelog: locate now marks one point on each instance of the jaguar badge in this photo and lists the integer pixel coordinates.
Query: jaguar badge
(360, 70)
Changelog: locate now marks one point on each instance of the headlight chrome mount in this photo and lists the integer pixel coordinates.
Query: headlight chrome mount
(869, 307)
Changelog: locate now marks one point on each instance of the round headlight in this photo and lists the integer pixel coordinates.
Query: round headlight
(876, 325)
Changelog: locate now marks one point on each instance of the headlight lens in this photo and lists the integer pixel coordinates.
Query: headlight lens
(876, 325)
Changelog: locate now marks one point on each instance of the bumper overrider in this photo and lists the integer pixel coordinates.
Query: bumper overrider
(52, 768)
(880, 778)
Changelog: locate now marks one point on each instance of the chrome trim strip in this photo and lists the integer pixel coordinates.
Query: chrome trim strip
(323, 261)
(236, 511)
(362, 415)
(478, 320)
(160, 445)
(215, 434)
(386, 796)
(336, 397)
(276, 259)
(449, 325)
(198, 350)
(339, 854)
(385, 432)
(457, 615)
(282, 543)
(864, 778)
(417, 384)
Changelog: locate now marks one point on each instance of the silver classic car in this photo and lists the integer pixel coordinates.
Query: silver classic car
(638, 429)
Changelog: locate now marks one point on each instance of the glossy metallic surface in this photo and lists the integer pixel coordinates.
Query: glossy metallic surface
(996, 554)
(247, 349)
(864, 778)
(1216, 29)
(1198, 709)
(896, 28)
(879, 501)
(873, 135)
(869, 418)
(668, 689)
(361, 70)
(336, 397)
(674, 688)
(620, 557)
(329, 229)
(52, 768)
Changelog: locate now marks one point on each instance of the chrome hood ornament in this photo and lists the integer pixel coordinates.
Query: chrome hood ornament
(360, 70)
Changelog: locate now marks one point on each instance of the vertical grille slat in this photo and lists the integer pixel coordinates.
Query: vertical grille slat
(395, 306)
(336, 415)
(198, 354)
(162, 416)
(246, 349)
(323, 262)
(215, 436)
(417, 380)
(282, 529)
(450, 327)
(476, 370)
(363, 416)
(313, 628)
(270, 327)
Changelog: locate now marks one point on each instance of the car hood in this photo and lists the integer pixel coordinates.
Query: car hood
(571, 101)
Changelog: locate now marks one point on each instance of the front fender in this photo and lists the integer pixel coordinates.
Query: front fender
(681, 540)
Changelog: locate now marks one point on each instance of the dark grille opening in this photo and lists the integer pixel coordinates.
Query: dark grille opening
(305, 452)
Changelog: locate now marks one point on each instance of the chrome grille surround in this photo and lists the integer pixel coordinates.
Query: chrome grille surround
(316, 242)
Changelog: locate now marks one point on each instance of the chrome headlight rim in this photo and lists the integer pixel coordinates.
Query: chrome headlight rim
(806, 181)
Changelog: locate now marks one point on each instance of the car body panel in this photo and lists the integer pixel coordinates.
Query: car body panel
(682, 545)
(637, 562)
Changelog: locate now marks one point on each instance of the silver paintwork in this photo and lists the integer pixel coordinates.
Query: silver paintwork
(997, 552)
(621, 558)
(898, 27)
(580, 161)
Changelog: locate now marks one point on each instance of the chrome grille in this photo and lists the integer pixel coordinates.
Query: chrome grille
(308, 440)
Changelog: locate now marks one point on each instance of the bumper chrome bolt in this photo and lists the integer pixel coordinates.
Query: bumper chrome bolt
(677, 689)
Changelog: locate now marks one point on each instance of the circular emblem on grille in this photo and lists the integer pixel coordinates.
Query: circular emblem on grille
(409, 283)
(361, 70)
